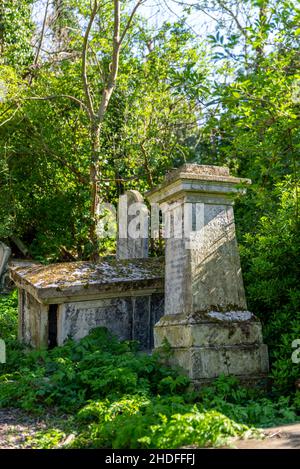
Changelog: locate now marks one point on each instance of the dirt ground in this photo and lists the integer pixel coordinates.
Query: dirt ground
(16, 427)
(284, 437)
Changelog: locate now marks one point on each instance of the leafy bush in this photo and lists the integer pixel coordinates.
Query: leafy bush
(272, 271)
(97, 366)
(139, 421)
(206, 418)
(116, 397)
(159, 423)
(8, 316)
(247, 405)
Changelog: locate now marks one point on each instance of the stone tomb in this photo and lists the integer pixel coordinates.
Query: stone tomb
(68, 300)
(194, 300)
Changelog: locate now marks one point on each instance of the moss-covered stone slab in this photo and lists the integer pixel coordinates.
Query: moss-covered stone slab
(53, 283)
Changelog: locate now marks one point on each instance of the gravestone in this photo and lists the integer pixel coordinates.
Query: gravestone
(4, 257)
(132, 226)
(206, 321)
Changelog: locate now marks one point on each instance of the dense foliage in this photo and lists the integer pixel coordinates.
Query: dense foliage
(114, 396)
(8, 316)
(229, 96)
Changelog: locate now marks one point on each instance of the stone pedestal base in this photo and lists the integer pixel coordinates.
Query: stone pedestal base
(206, 345)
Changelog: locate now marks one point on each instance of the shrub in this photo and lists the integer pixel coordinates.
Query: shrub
(98, 365)
(272, 271)
(8, 316)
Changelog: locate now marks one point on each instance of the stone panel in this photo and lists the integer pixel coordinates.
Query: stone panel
(215, 265)
(141, 321)
(33, 321)
(128, 318)
(209, 334)
(210, 362)
(77, 319)
(132, 210)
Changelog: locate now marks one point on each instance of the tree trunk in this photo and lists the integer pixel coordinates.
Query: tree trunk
(94, 187)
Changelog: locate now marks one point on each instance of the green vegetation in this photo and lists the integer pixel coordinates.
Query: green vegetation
(107, 394)
(271, 258)
(226, 97)
(8, 316)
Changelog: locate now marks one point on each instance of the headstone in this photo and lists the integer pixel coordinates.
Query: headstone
(206, 320)
(4, 256)
(132, 226)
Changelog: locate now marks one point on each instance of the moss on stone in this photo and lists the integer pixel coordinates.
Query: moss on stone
(106, 271)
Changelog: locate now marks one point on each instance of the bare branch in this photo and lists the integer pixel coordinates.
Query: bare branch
(130, 20)
(114, 66)
(6, 110)
(233, 16)
(42, 35)
(10, 118)
(116, 179)
(65, 163)
(56, 96)
(86, 86)
(101, 72)
(197, 5)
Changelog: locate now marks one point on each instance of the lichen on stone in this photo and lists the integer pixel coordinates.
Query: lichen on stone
(106, 271)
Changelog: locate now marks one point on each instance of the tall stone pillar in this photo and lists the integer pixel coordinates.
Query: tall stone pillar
(206, 321)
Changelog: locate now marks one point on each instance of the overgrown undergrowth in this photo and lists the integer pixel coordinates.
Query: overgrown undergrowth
(106, 394)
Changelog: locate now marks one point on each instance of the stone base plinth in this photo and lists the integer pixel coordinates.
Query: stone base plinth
(206, 345)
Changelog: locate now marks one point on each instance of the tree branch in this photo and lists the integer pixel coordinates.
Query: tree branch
(56, 96)
(11, 117)
(130, 20)
(42, 35)
(233, 16)
(114, 66)
(86, 85)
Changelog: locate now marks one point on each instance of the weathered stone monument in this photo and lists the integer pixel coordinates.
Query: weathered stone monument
(195, 301)
(206, 321)
(5, 253)
(133, 223)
